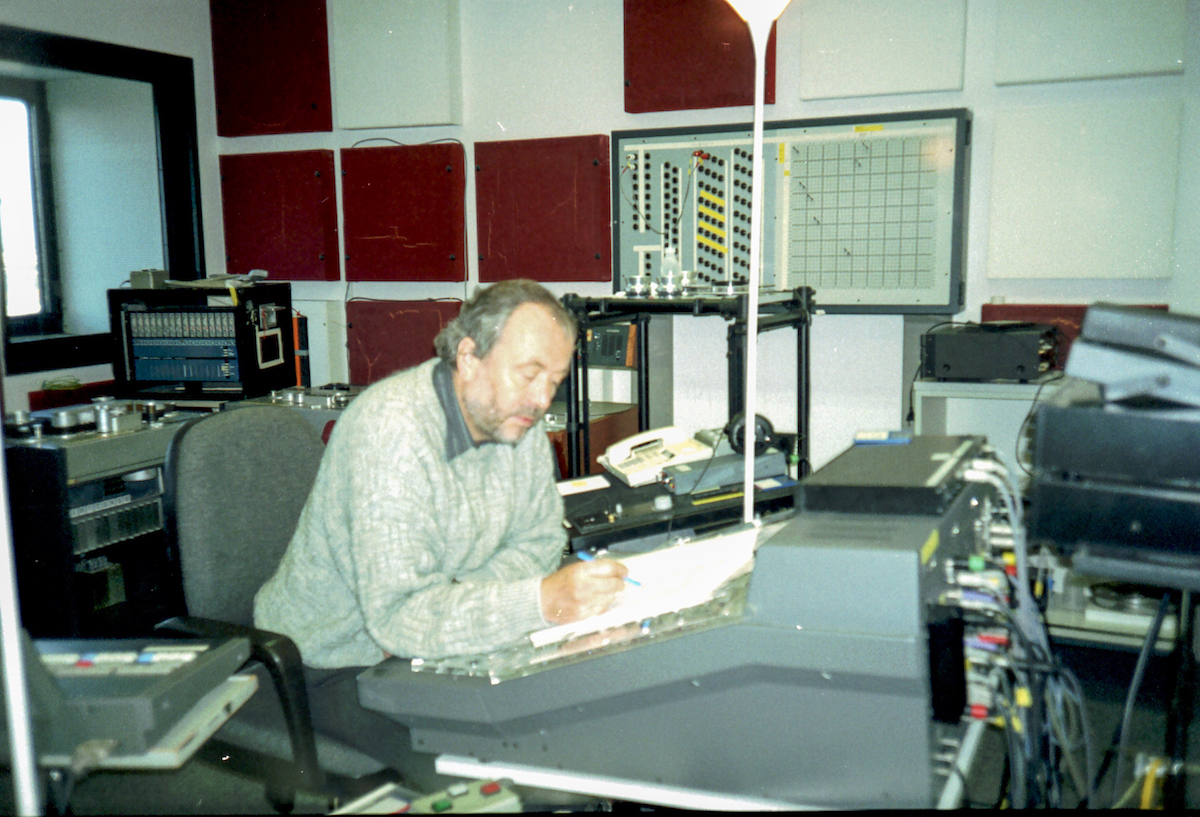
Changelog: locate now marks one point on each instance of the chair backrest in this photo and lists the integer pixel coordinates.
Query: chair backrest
(235, 483)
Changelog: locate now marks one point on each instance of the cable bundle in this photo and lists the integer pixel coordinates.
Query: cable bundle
(1014, 680)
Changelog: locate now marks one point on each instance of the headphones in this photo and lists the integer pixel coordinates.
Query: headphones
(764, 434)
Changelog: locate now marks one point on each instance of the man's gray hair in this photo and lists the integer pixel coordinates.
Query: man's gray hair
(483, 317)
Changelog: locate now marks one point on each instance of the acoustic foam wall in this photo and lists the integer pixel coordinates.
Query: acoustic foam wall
(543, 209)
(280, 214)
(404, 212)
(387, 336)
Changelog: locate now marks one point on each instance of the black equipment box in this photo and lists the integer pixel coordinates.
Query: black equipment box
(611, 345)
(1077, 435)
(1116, 481)
(1144, 523)
(1123, 479)
(988, 351)
(91, 549)
(919, 475)
(621, 518)
(203, 342)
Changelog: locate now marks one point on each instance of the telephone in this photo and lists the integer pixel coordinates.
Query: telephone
(640, 459)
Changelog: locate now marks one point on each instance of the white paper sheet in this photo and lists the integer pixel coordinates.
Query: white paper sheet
(582, 484)
(670, 579)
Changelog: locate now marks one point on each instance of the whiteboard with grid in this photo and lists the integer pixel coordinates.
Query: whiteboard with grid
(868, 212)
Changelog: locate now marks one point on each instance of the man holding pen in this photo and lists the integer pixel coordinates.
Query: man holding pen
(434, 526)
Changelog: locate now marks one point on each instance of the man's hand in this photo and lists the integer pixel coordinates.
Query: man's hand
(580, 590)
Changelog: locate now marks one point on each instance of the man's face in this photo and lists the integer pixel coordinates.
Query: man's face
(505, 392)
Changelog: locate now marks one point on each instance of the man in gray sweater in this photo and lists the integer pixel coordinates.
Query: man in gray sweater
(434, 526)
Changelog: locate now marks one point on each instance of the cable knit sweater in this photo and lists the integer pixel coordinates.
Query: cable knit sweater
(404, 550)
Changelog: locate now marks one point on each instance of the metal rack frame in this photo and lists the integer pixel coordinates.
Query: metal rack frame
(795, 310)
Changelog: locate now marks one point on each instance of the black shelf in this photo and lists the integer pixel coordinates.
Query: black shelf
(776, 311)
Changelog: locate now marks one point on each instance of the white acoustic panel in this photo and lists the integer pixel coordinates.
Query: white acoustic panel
(1084, 191)
(1050, 40)
(396, 63)
(852, 48)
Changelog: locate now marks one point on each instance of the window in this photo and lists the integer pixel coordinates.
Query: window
(79, 254)
(32, 301)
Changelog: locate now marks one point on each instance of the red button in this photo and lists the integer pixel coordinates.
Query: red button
(488, 789)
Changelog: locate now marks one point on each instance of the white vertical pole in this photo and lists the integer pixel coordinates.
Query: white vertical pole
(760, 30)
(20, 729)
(12, 664)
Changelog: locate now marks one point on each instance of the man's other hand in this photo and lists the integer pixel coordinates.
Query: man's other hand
(582, 589)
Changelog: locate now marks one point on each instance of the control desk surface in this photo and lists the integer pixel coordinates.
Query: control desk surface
(794, 683)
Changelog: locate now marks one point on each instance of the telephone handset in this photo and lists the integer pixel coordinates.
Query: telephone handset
(640, 459)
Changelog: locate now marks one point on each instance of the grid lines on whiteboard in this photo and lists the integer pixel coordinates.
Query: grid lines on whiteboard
(862, 213)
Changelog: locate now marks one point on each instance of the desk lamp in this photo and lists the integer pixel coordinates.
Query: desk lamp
(760, 15)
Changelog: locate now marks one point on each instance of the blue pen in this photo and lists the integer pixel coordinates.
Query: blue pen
(588, 556)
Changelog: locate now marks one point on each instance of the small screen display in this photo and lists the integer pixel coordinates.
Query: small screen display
(270, 348)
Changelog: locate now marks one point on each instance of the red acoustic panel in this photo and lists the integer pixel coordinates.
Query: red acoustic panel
(270, 66)
(543, 209)
(387, 336)
(41, 399)
(405, 212)
(280, 212)
(687, 54)
(1067, 318)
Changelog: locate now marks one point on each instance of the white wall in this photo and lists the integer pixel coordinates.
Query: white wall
(105, 160)
(555, 68)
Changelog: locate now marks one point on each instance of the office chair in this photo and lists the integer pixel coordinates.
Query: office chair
(235, 483)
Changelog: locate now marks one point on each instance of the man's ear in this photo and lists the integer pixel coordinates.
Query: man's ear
(465, 361)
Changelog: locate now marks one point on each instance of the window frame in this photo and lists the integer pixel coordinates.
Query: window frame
(49, 320)
(172, 80)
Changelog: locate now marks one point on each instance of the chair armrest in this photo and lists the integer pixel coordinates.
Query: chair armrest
(196, 627)
(281, 658)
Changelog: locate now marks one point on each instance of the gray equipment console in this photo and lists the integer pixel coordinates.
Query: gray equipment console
(812, 680)
(118, 696)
